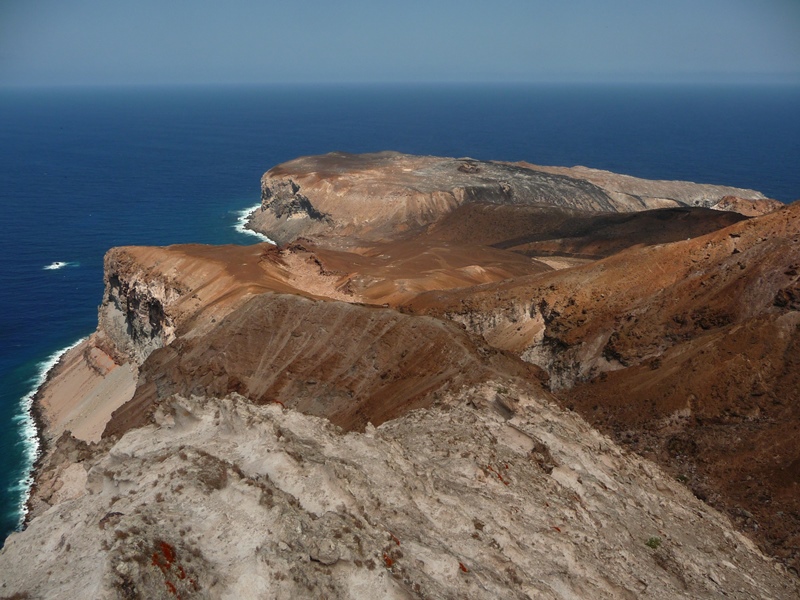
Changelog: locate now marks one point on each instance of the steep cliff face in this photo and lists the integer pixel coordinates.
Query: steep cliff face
(351, 364)
(136, 312)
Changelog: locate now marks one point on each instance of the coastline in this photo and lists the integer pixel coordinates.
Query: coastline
(43, 420)
(35, 424)
(195, 432)
(79, 393)
(242, 223)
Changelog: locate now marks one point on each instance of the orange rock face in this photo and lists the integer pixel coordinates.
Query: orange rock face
(749, 208)
(352, 364)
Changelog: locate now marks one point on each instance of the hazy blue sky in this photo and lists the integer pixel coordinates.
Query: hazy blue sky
(199, 41)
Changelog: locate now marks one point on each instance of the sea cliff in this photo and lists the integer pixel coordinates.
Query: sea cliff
(400, 399)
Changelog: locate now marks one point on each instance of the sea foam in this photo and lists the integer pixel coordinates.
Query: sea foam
(26, 422)
(59, 265)
(241, 221)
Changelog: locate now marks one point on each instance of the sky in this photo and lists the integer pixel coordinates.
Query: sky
(109, 42)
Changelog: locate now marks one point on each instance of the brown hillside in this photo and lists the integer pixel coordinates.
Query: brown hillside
(688, 351)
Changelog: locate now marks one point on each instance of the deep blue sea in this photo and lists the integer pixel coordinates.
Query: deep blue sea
(82, 170)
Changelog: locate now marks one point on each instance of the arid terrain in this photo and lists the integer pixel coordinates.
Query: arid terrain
(451, 378)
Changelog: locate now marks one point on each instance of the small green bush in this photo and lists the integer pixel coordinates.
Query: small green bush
(653, 542)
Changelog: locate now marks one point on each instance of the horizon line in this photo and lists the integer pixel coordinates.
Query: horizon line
(407, 83)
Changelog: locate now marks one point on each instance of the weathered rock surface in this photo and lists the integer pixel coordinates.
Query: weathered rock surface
(748, 207)
(223, 499)
(636, 192)
(88, 387)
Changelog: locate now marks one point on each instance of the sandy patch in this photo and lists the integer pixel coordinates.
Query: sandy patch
(562, 262)
(83, 391)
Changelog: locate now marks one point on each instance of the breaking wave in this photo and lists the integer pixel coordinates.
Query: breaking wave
(59, 265)
(241, 222)
(30, 438)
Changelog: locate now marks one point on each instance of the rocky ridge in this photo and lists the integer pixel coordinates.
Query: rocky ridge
(687, 352)
(637, 192)
(635, 304)
(242, 457)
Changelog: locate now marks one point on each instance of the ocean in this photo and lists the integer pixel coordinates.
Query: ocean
(85, 169)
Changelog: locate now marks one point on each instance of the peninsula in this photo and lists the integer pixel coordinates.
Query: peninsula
(450, 378)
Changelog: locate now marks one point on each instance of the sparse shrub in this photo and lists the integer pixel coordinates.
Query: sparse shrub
(653, 542)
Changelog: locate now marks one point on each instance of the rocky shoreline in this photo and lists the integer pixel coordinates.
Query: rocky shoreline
(43, 448)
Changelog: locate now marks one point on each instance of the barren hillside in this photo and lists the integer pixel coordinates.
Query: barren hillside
(399, 400)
